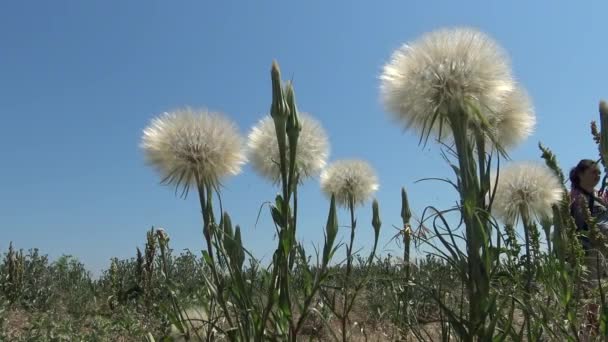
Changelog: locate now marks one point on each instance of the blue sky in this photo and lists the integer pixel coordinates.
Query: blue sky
(81, 79)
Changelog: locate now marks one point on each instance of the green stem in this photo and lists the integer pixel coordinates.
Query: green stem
(294, 222)
(406, 260)
(286, 231)
(407, 237)
(481, 161)
(269, 304)
(469, 192)
(349, 261)
(528, 286)
(294, 326)
(207, 231)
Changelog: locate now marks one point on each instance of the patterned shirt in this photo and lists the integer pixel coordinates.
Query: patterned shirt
(597, 204)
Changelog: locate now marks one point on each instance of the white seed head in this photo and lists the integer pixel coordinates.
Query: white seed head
(443, 70)
(311, 152)
(190, 147)
(347, 179)
(195, 320)
(515, 121)
(528, 186)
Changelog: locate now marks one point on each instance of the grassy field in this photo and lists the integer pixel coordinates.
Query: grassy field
(59, 301)
(134, 300)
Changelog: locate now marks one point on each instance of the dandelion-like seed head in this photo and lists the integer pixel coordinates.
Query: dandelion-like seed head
(194, 319)
(527, 186)
(515, 121)
(348, 179)
(311, 152)
(442, 71)
(191, 148)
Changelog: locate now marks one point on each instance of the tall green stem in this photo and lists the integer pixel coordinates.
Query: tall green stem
(349, 263)
(208, 232)
(407, 236)
(529, 271)
(475, 226)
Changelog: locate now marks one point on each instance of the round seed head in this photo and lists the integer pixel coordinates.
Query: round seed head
(529, 187)
(443, 71)
(349, 180)
(191, 148)
(311, 152)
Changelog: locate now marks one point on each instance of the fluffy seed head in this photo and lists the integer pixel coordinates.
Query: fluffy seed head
(311, 152)
(515, 121)
(441, 71)
(348, 179)
(195, 321)
(190, 147)
(527, 186)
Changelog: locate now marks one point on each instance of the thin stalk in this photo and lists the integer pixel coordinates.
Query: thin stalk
(294, 326)
(294, 221)
(528, 286)
(322, 273)
(407, 237)
(308, 301)
(206, 228)
(484, 184)
(477, 285)
(481, 160)
(207, 231)
(287, 232)
(282, 258)
(349, 261)
(549, 245)
(406, 215)
(280, 273)
(266, 312)
(498, 245)
(406, 260)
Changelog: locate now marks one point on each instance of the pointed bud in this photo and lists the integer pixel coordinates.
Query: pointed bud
(140, 257)
(228, 239)
(227, 225)
(239, 252)
(294, 126)
(279, 112)
(376, 222)
(278, 108)
(406, 214)
(331, 230)
(551, 161)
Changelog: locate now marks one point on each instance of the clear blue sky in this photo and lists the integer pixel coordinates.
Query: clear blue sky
(79, 80)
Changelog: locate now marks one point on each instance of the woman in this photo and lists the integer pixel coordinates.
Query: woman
(583, 178)
(585, 199)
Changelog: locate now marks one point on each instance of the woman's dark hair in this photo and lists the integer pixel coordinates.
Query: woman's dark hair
(582, 166)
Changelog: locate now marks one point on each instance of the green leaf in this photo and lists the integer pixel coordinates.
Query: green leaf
(277, 217)
(604, 321)
(240, 254)
(331, 230)
(278, 202)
